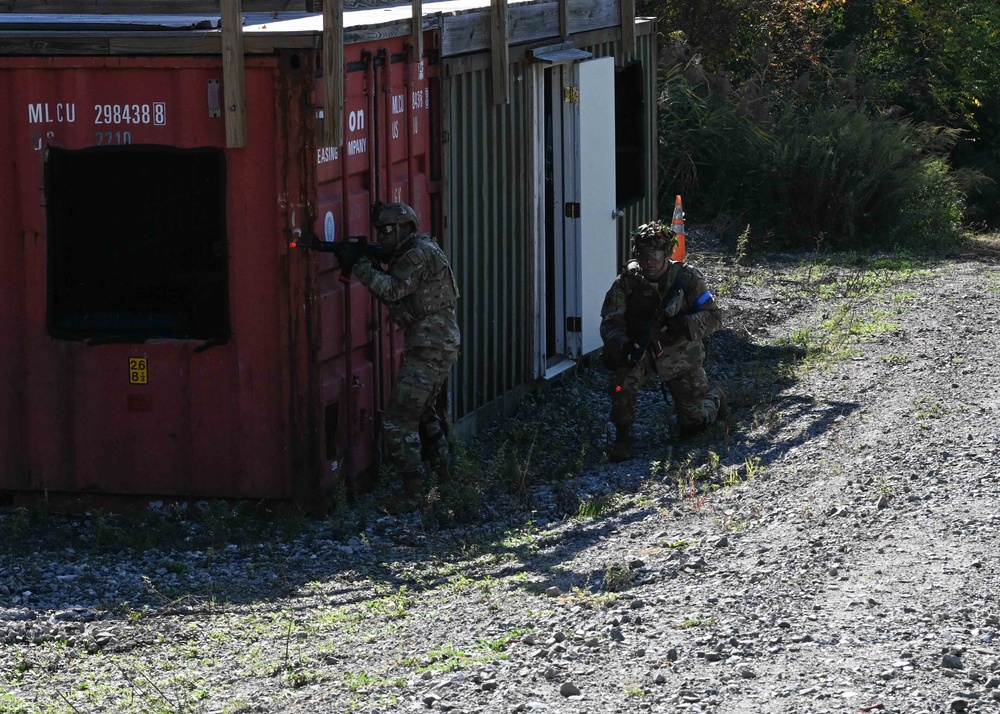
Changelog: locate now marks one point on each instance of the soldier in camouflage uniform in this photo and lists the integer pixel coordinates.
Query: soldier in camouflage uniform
(654, 319)
(420, 292)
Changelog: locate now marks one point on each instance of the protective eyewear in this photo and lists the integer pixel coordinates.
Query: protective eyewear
(651, 256)
(386, 228)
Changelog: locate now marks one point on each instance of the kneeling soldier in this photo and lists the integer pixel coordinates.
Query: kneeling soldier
(654, 319)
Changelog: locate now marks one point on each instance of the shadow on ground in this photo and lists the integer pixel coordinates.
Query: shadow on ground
(554, 437)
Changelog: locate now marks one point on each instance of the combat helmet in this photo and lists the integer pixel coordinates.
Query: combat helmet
(653, 236)
(395, 214)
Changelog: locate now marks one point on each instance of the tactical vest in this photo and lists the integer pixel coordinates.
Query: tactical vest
(439, 290)
(643, 298)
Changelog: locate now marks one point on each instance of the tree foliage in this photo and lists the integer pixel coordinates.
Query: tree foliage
(922, 62)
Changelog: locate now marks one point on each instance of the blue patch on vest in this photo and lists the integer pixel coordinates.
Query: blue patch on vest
(705, 297)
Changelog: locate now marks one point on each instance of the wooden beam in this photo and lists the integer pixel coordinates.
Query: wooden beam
(146, 43)
(417, 34)
(170, 7)
(526, 22)
(171, 44)
(198, 42)
(477, 62)
(500, 51)
(333, 73)
(32, 43)
(628, 28)
(233, 74)
(564, 18)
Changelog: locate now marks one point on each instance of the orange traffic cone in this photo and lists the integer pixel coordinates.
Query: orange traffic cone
(677, 225)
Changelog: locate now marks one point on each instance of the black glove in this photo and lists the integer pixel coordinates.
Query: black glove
(631, 353)
(347, 255)
(376, 253)
(618, 353)
(676, 328)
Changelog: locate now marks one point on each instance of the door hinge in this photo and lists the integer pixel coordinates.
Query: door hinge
(572, 209)
(574, 324)
(571, 95)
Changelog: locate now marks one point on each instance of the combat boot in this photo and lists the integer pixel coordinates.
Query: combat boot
(441, 469)
(723, 411)
(621, 450)
(413, 484)
(413, 489)
(689, 431)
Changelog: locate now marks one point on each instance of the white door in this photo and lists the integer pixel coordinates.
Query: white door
(574, 226)
(598, 254)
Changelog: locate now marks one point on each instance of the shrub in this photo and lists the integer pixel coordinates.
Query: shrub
(840, 172)
(831, 171)
(708, 152)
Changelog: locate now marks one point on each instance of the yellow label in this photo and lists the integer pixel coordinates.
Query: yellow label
(138, 370)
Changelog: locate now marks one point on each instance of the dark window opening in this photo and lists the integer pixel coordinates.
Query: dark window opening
(630, 153)
(137, 243)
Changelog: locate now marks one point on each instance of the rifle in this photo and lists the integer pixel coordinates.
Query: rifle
(673, 303)
(652, 336)
(348, 252)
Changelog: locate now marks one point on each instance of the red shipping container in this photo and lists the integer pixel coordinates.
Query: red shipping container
(160, 336)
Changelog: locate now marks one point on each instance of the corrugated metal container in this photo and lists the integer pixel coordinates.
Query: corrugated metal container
(489, 235)
(491, 159)
(161, 338)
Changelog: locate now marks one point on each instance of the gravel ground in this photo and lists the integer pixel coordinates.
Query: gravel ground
(832, 548)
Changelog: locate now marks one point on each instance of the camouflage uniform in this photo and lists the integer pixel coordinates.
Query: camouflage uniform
(420, 292)
(628, 307)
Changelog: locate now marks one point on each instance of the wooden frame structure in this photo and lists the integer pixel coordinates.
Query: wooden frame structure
(508, 24)
(489, 43)
(233, 71)
(333, 73)
(500, 49)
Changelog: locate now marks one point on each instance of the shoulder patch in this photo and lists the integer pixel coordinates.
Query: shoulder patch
(410, 257)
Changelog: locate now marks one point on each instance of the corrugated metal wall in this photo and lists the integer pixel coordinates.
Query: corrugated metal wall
(487, 174)
(487, 164)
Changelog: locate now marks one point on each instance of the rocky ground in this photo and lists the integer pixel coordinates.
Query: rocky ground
(834, 547)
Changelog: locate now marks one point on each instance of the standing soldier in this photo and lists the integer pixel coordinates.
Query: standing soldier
(654, 319)
(420, 292)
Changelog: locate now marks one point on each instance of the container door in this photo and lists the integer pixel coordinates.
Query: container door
(13, 469)
(385, 157)
(575, 185)
(348, 318)
(557, 243)
(598, 230)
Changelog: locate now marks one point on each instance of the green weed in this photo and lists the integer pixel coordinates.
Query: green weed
(362, 680)
(596, 506)
(926, 408)
(597, 601)
(500, 644)
(9, 704)
(617, 578)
